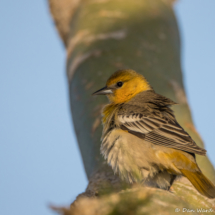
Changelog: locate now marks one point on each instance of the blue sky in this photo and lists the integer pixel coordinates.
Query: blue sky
(39, 158)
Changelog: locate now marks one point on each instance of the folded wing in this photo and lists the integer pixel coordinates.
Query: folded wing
(159, 131)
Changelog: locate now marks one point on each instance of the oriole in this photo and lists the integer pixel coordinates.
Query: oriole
(142, 141)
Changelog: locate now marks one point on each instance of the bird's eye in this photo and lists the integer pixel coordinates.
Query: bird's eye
(119, 84)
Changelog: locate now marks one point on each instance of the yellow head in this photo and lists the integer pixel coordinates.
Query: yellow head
(124, 85)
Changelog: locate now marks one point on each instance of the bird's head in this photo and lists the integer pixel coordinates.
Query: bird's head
(124, 85)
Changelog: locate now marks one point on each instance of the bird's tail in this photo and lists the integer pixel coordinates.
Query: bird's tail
(200, 182)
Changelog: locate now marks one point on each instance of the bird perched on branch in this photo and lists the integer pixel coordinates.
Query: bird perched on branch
(142, 141)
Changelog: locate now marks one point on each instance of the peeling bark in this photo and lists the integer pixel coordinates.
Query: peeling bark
(143, 200)
(62, 12)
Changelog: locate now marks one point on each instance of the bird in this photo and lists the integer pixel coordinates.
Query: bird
(142, 140)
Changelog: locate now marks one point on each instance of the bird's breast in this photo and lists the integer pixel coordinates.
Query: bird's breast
(126, 153)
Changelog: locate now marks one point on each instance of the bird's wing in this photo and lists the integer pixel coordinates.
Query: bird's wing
(159, 131)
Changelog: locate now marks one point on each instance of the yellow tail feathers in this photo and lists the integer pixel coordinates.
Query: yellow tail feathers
(200, 182)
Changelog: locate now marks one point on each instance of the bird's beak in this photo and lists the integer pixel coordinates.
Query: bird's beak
(103, 91)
